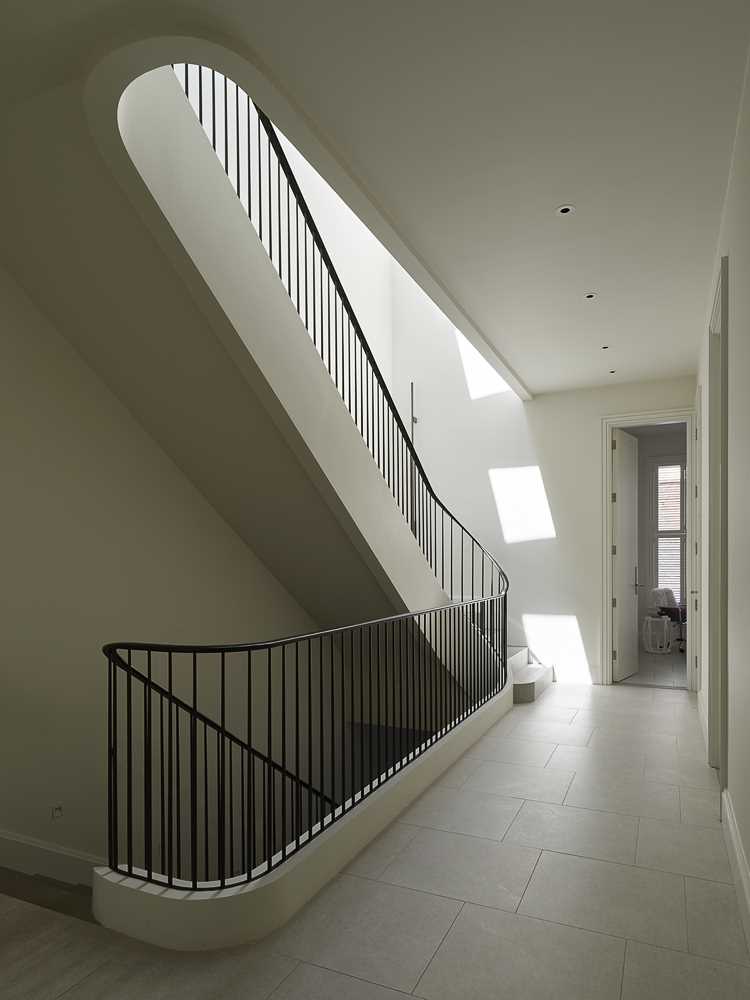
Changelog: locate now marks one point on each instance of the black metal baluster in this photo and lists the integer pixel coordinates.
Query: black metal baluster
(162, 789)
(361, 675)
(206, 860)
(170, 763)
(129, 761)
(283, 752)
(147, 770)
(115, 777)
(309, 740)
(194, 779)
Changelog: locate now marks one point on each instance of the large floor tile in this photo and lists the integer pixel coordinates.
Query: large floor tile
(714, 924)
(624, 739)
(240, 974)
(687, 850)
(603, 835)
(692, 746)
(572, 734)
(505, 726)
(463, 810)
(633, 721)
(629, 795)
(378, 855)
(308, 982)
(490, 954)
(456, 775)
(660, 974)
(621, 763)
(43, 954)
(521, 782)
(682, 771)
(700, 806)
(382, 933)
(544, 711)
(615, 899)
(466, 868)
(511, 751)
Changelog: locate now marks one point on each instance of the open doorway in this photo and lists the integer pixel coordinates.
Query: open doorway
(649, 551)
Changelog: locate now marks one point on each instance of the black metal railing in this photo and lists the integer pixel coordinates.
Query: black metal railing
(253, 157)
(225, 760)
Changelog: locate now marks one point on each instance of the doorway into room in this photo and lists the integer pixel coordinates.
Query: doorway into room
(650, 552)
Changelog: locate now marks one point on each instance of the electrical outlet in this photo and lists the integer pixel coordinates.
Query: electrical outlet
(56, 812)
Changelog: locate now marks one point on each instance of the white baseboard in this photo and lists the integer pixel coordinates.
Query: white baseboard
(738, 860)
(40, 857)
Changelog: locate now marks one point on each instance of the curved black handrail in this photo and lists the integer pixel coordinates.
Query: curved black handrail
(193, 799)
(339, 711)
(268, 205)
(292, 181)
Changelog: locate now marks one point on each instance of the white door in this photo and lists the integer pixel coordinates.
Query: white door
(625, 555)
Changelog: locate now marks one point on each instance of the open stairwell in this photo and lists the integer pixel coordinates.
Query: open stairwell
(248, 774)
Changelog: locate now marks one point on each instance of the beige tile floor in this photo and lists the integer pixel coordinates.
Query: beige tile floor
(580, 865)
(660, 670)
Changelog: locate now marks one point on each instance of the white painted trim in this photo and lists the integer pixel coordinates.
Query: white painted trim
(737, 859)
(41, 857)
(624, 420)
(200, 921)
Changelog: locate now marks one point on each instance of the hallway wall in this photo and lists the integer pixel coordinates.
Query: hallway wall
(104, 539)
(556, 580)
(734, 242)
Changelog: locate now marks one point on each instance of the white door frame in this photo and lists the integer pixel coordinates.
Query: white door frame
(625, 420)
(715, 541)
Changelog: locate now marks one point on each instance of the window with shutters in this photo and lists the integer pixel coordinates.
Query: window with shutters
(670, 527)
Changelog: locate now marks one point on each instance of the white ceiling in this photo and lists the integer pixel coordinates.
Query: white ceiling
(466, 125)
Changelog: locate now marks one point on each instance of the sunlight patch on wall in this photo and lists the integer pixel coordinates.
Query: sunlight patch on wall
(522, 504)
(481, 378)
(556, 640)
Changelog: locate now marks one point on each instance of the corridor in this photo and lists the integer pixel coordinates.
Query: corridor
(574, 852)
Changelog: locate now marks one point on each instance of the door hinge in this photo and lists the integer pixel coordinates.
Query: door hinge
(614, 550)
(696, 492)
(696, 548)
(614, 602)
(614, 444)
(614, 498)
(614, 655)
(696, 603)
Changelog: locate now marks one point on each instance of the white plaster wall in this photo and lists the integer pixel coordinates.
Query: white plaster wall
(103, 539)
(734, 242)
(459, 440)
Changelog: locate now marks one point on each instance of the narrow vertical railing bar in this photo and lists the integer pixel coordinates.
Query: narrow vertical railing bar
(170, 765)
(113, 763)
(129, 762)
(194, 779)
(283, 752)
(147, 771)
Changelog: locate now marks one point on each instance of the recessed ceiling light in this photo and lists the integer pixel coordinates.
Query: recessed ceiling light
(566, 209)
(590, 295)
